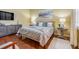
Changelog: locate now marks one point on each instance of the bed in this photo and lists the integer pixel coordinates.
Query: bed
(39, 33)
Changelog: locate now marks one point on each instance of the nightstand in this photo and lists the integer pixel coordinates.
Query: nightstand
(62, 33)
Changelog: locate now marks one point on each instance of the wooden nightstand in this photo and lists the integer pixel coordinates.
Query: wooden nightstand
(62, 33)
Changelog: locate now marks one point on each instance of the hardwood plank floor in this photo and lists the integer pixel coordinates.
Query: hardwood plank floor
(23, 44)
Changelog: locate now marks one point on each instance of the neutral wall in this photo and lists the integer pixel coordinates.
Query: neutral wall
(20, 16)
(34, 14)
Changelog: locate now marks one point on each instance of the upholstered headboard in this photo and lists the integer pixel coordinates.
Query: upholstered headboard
(45, 20)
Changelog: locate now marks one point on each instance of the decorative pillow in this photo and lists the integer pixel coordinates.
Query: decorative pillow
(44, 24)
(40, 24)
(49, 24)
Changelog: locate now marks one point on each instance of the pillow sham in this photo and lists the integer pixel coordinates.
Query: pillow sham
(44, 24)
(49, 24)
(40, 24)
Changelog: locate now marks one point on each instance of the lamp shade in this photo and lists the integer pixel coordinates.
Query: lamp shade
(62, 20)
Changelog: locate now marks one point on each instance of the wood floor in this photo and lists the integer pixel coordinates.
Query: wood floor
(23, 44)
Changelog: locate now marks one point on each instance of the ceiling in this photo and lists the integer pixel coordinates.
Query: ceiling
(55, 12)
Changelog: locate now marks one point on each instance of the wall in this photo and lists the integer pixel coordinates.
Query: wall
(63, 13)
(34, 14)
(20, 16)
(23, 17)
(68, 22)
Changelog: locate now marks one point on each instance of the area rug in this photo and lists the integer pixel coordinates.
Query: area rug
(58, 43)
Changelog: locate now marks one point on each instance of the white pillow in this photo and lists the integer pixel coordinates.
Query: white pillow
(40, 24)
(49, 24)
